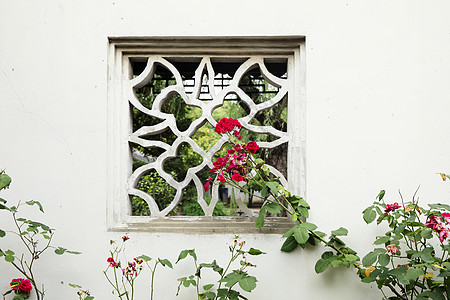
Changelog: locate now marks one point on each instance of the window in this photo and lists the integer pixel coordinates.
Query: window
(164, 97)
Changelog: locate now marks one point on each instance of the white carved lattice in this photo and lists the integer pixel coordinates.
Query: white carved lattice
(193, 99)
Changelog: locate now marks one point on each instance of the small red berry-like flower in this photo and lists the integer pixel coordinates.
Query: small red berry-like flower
(125, 238)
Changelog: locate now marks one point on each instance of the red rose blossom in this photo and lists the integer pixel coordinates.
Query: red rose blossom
(25, 286)
(237, 177)
(21, 285)
(252, 147)
(15, 284)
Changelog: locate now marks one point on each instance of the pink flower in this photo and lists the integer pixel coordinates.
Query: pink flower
(252, 147)
(390, 207)
(236, 134)
(21, 285)
(436, 224)
(238, 148)
(15, 284)
(124, 238)
(446, 216)
(392, 249)
(221, 178)
(112, 263)
(25, 285)
(237, 177)
(206, 185)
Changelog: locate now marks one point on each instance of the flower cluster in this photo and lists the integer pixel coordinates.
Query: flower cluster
(437, 225)
(236, 163)
(228, 125)
(390, 207)
(21, 286)
(133, 268)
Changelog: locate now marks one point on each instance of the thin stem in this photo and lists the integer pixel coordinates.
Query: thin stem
(198, 279)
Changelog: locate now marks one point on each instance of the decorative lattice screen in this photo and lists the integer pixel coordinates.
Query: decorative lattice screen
(165, 97)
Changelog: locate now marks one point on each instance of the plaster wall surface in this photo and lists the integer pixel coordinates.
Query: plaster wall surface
(377, 90)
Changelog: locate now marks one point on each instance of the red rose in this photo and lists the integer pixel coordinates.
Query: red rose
(252, 147)
(227, 125)
(25, 285)
(206, 186)
(237, 177)
(15, 284)
(221, 178)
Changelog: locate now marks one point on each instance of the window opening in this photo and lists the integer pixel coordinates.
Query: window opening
(174, 102)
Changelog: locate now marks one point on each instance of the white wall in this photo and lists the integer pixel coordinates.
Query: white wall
(378, 76)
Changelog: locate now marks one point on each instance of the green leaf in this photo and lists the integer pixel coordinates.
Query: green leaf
(384, 259)
(427, 233)
(208, 286)
(254, 251)
(413, 274)
(33, 202)
(400, 228)
(165, 262)
(73, 252)
(382, 240)
(9, 258)
(260, 220)
(369, 215)
(437, 296)
(5, 180)
(2, 233)
(89, 298)
(60, 250)
(145, 258)
(308, 226)
(340, 232)
(2, 204)
(351, 257)
(183, 255)
(381, 195)
(289, 244)
(301, 235)
(369, 259)
(289, 232)
(321, 265)
(231, 279)
(336, 263)
(273, 208)
(273, 186)
(303, 211)
(248, 283)
(303, 203)
(264, 191)
(439, 206)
